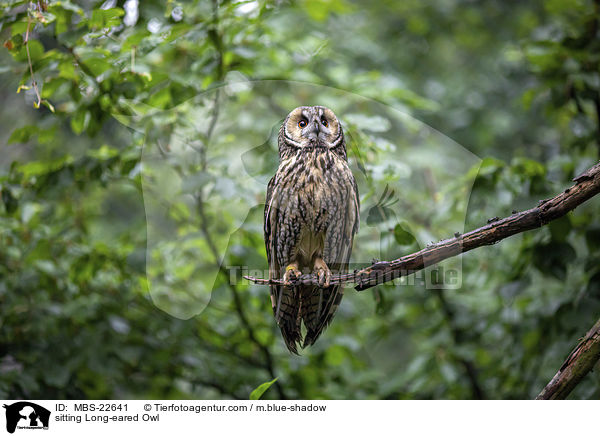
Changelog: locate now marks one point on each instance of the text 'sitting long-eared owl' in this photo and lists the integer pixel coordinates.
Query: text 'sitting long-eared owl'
(311, 216)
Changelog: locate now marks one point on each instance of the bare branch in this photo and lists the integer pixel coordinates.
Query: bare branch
(586, 186)
(581, 360)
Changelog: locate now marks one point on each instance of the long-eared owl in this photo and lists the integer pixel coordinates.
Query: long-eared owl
(311, 217)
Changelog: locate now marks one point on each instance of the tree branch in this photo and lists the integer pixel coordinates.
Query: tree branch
(586, 186)
(581, 360)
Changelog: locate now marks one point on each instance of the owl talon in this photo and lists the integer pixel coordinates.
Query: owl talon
(324, 277)
(323, 273)
(292, 273)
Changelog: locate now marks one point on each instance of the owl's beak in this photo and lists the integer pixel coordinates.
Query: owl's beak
(313, 130)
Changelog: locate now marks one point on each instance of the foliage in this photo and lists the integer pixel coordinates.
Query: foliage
(260, 390)
(140, 178)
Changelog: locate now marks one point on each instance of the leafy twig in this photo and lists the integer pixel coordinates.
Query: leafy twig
(41, 6)
(33, 82)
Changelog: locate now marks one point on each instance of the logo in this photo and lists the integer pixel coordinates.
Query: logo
(26, 415)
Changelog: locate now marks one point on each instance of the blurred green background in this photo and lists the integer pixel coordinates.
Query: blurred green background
(508, 92)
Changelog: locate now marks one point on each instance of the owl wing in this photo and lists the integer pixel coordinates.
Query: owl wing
(268, 234)
(322, 303)
(281, 236)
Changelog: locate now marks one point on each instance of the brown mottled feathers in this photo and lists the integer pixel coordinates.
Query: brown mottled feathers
(311, 213)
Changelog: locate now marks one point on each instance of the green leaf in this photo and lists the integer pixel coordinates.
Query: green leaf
(36, 51)
(19, 27)
(50, 87)
(49, 105)
(403, 236)
(22, 134)
(38, 168)
(97, 65)
(80, 121)
(102, 18)
(161, 99)
(105, 152)
(65, 5)
(135, 39)
(67, 70)
(259, 391)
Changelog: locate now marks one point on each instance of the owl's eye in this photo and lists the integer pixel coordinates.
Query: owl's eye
(302, 124)
(324, 122)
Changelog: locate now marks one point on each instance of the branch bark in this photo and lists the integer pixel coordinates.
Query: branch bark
(581, 360)
(586, 186)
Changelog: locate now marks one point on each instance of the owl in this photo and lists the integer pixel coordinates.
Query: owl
(311, 217)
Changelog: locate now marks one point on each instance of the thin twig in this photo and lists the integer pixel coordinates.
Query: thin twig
(33, 82)
(586, 186)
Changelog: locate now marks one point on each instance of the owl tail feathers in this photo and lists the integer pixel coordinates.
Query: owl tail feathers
(313, 306)
(311, 337)
(291, 336)
(286, 308)
(321, 306)
(312, 334)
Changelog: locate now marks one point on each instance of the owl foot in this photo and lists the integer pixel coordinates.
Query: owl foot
(323, 273)
(292, 273)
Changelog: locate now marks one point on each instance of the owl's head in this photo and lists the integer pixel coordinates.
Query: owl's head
(311, 128)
